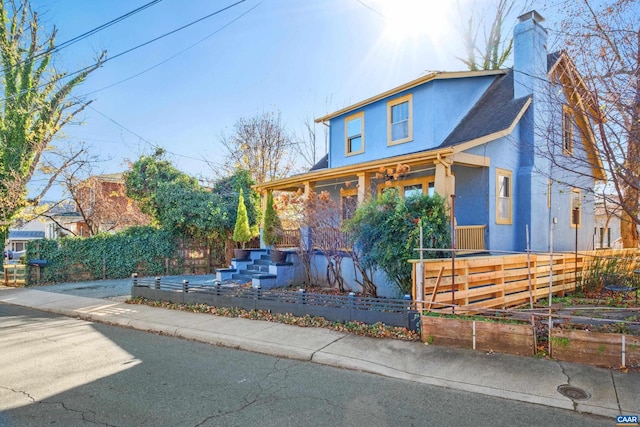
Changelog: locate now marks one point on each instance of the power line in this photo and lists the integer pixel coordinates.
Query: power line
(100, 63)
(99, 28)
(86, 34)
(141, 138)
(175, 55)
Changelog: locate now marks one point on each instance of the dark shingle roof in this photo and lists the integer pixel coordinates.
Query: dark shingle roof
(494, 112)
(323, 163)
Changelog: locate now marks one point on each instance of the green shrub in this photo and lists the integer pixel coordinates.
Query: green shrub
(385, 231)
(112, 256)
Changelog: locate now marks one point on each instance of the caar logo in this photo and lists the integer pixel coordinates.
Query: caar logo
(627, 420)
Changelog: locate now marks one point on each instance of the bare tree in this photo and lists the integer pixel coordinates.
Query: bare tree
(311, 145)
(99, 200)
(486, 45)
(261, 145)
(603, 40)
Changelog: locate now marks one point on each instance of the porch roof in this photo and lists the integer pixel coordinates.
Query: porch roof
(297, 181)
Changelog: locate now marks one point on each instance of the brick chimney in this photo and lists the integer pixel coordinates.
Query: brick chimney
(529, 54)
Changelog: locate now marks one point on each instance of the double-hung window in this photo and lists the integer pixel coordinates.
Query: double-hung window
(399, 120)
(354, 134)
(504, 200)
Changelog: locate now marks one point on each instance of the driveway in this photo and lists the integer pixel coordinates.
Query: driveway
(114, 289)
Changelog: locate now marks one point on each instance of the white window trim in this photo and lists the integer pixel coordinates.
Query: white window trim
(406, 98)
(509, 174)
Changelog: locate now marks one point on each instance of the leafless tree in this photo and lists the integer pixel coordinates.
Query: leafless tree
(311, 145)
(603, 41)
(487, 45)
(261, 145)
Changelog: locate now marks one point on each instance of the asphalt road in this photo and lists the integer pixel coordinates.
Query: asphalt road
(64, 371)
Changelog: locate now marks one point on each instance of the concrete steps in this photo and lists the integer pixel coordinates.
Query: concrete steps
(259, 270)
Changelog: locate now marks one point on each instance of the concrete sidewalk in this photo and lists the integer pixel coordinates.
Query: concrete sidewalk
(511, 377)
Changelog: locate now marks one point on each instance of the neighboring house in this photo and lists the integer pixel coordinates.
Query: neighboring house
(606, 232)
(478, 135)
(18, 239)
(100, 206)
(104, 207)
(23, 231)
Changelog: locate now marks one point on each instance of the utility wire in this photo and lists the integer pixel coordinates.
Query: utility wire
(98, 29)
(89, 33)
(100, 63)
(175, 55)
(171, 32)
(143, 138)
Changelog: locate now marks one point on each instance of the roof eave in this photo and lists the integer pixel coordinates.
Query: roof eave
(436, 75)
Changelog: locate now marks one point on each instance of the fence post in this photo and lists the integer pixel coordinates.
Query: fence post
(104, 268)
(157, 282)
(218, 286)
(352, 299)
(185, 286)
(303, 296)
(134, 279)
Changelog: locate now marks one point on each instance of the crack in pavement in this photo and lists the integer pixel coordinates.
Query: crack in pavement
(260, 393)
(615, 389)
(82, 413)
(320, 349)
(575, 404)
(20, 392)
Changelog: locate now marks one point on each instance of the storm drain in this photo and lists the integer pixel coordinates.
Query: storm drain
(573, 393)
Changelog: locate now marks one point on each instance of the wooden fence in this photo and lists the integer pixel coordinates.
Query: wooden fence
(289, 238)
(15, 274)
(496, 281)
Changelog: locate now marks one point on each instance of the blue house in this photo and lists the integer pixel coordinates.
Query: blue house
(514, 155)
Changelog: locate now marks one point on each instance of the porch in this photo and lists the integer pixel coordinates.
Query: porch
(468, 238)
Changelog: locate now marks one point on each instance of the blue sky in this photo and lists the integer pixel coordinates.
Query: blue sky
(299, 57)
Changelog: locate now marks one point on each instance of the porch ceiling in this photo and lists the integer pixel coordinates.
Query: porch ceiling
(295, 182)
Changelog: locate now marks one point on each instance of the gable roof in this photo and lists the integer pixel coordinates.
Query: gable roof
(434, 75)
(494, 112)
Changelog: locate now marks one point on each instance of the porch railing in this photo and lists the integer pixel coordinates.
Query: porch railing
(289, 238)
(330, 238)
(470, 237)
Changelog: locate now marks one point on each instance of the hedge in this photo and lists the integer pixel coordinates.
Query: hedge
(109, 256)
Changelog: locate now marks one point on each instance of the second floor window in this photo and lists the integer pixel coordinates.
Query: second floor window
(354, 126)
(400, 121)
(567, 131)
